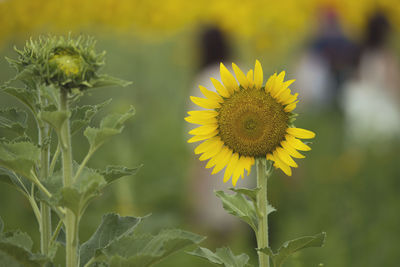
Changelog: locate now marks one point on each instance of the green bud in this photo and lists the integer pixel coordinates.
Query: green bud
(64, 63)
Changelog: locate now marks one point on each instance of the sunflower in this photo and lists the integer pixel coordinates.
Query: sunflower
(245, 121)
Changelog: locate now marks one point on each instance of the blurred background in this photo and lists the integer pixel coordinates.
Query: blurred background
(345, 57)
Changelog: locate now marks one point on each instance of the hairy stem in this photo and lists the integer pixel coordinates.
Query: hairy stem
(45, 210)
(70, 218)
(262, 203)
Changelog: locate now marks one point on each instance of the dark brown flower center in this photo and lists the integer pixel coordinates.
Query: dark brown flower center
(252, 123)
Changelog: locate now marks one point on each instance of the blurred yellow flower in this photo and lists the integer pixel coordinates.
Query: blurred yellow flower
(245, 121)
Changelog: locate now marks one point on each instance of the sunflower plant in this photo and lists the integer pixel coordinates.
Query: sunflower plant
(245, 123)
(52, 74)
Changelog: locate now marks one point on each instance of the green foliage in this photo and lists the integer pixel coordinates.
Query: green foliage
(222, 256)
(19, 157)
(14, 120)
(117, 243)
(27, 97)
(109, 126)
(86, 187)
(141, 250)
(82, 115)
(292, 246)
(15, 250)
(55, 119)
(111, 228)
(237, 205)
(112, 173)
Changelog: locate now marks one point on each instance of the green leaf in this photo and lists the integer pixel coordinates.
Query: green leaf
(112, 227)
(85, 188)
(82, 115)
(14, 120)
(106, 80)
(56, 119)
(112, 173)
(15, 250)
(145, 250)
(111, 125)
(237, 205)
(17, 238)
(252, 195)
(24, 95)
(290, 247)
(222, 256)
(19, 157)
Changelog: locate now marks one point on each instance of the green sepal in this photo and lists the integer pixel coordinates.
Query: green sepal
(223, 256)
(19, 157)
(109, 126)
(111, 228)
(14, 120)
(292, 246)
(237, 205)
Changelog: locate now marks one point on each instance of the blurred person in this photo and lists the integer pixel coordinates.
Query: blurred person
(328, 62)
(208, 210)
(371, 100)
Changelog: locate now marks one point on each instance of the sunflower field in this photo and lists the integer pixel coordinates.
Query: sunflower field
(128, 137)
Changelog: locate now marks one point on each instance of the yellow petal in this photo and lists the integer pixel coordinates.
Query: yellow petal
(300, 133)
(223, 154)
(249, 164)
(291, 150)
(258, 75)
(284, 156)
(296, 143)
(197, 138)
(283, 95)
(206, 145)
(270, 157)
(283, 166)
(214, 150)
(250, 78)
(223, 161)
(231, 166)
(228, 80)
(270, 82)
(205, 103)
(239, 170)
(201, 120)
(290, 107)
(290, 99)
(204, 113)
(277, 86)
(205, 129)
(210, 94)
(240, 76)
(220, 88)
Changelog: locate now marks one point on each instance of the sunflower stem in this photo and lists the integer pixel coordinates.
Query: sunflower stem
(262, 203)
(71, 225)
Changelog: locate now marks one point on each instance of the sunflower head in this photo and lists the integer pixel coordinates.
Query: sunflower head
(63, 62)
(244, 121)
